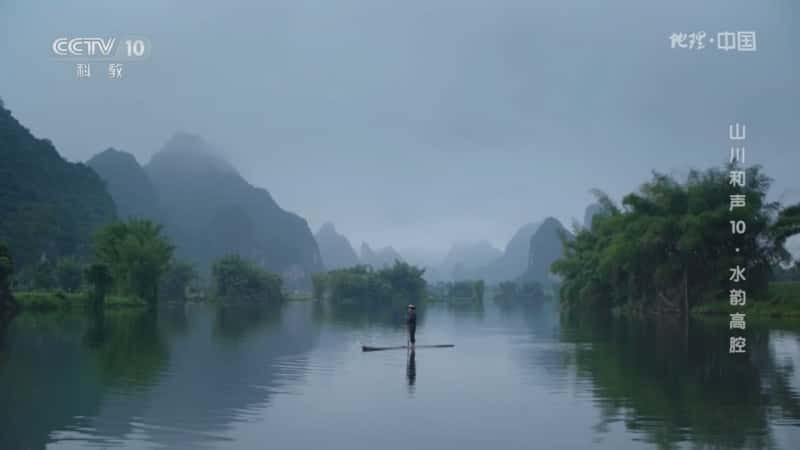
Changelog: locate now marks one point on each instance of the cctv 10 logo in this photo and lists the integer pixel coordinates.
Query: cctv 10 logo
(101, 48)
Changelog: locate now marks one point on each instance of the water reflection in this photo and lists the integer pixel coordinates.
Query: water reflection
(199, 376)
(676, 382)
(411, 370)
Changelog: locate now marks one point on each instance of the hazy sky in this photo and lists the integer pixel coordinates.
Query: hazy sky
(419, 123)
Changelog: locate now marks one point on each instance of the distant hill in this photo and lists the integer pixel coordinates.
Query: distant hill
(464, 260)
(50, 206)
(335, 249)
(514, 260)
(545, 248)
(210, 210)
(128, 183)
(378, 258)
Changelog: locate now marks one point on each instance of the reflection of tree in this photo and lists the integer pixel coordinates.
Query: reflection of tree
(386, 315)
(237, 321)
(673, 389)
(45, 384)
(73, 373)
(127, 346)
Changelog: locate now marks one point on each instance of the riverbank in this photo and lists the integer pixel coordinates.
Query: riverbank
(48, 301)
(782, 300)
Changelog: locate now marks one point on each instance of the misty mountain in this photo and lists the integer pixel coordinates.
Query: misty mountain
(50, 206)
(334, 248)
(545, 248)
(514, 260)
(128, 184)
(211, 211)
(378, 258)
(589, 214)
(465, 259)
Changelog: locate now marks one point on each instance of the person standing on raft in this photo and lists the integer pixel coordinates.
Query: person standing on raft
(411, 322)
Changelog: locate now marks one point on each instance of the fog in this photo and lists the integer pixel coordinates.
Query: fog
(419, 123)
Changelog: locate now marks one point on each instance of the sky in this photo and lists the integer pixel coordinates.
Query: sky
(421, 123)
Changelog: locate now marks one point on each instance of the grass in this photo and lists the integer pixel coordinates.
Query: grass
(782, 300)
(47, 301)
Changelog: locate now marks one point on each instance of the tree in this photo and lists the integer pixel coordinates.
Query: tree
(671, 239)
(7, 301)
(68, 274)
(44, 276)
(238, 279)
(137, 255)
(177, 280)
(98, 275)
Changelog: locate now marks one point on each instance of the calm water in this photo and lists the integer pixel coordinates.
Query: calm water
(295, 378)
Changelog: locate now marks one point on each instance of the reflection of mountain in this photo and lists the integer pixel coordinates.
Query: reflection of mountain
(211, 379)
(210, 210)
(335, 249)
(378, 258)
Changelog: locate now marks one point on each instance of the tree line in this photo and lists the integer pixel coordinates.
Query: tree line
(669, 246)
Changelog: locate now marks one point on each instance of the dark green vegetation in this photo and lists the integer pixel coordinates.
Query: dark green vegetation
(210, 211)
(7, 302)
(399, 283)
(50, 206)
(137, 256)
(683, 374)
(670, 248)
(235, 279)
(128, 184)
(335, 249)
(510, 292)
(781, 299)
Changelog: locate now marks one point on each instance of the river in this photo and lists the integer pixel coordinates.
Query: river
(294, 377)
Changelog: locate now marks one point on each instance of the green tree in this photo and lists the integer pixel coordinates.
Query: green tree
(178, 278)
(237, 279)
(7, 301)
(44, 276)
(670, 246)
(137, 254)
(98, 275)
(69, 274)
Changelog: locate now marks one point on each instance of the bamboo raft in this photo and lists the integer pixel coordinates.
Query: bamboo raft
(367, 348)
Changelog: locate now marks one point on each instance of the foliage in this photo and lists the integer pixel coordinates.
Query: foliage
(237, 279)
(401, 281)
(69, 274)
(57, 300)
(98, 275)
(44, 276)
(782, 299)
(50, 206)
(7, 300)
(137, 255)
(178, 278)
(670, 246)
